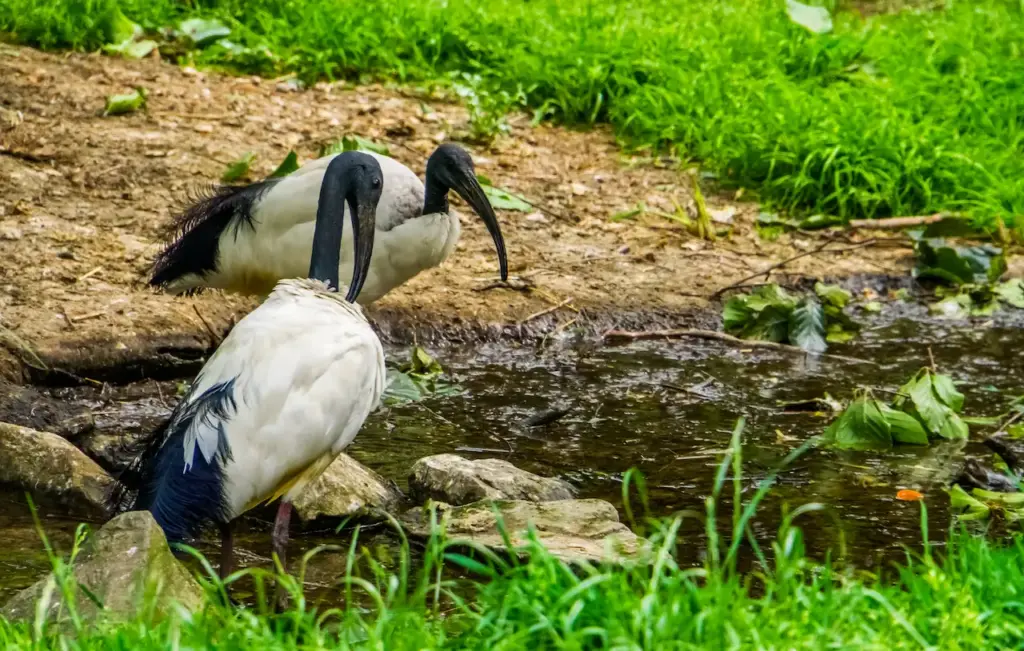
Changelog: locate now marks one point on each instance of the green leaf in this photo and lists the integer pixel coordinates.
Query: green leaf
(127, 103)
(239, 169)
(358, 143)
(958, 265)
(971, 508)
(924, 401)
(952, 307)
(736, 314)
(132, 49)
(287, 166)
(119, 29)
(203, 31)
(905, 428)
(947, 392)
(832, 294)
(873, 307)
(422, 364)
(1011, 292)
(861, 427)
(821, 221)
(815, 19)
(807, 326)
(505, 200)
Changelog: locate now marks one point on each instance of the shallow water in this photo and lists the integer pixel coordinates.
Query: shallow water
(665, 408)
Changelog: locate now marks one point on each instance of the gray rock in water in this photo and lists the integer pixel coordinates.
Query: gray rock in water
(348, 488)
(52, 470)
(572, 530)
(127, 566)
(452, 479)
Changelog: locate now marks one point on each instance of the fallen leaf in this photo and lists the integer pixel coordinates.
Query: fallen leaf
(287, 166)
(126, 103)
(239, 169)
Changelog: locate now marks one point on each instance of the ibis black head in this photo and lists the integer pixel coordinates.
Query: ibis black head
(354, 177)
(450, 167)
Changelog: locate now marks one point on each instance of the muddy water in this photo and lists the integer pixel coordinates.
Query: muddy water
(666, 408)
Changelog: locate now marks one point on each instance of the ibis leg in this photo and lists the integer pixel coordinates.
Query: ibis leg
(227, 550)
(279, 541)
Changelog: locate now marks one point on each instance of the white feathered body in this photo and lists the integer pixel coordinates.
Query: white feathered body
(307, 371)
(279, 245)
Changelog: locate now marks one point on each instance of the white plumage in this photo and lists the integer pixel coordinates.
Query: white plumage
(263, 233)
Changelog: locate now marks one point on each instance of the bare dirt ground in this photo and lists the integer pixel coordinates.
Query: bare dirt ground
(84, 200)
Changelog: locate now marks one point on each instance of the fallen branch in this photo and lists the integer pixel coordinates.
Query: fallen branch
(891, 223)
(721, 336)
(768, 270)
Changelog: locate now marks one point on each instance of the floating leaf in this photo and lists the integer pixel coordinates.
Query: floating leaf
(239, 169)
(815, 19)
(904, 428)
(935, 403)
(807, 326)
(127, 103)
(1011, 292)
(873, 307)
(952, 307)
(947, 392)
(971, 508)
(203, 31)
(287, 166)
(958, 265)
(423, 365)
(832, 294)
(909, 495)
(861, 427)
(505, 200)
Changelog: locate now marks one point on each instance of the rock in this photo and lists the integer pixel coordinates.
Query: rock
(30, 407)
(452, 479)
(572, 530)
(52, 470)
(122, 564)
(348, 488)
(114, 452)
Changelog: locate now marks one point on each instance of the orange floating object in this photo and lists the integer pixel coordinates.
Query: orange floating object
(909, 495)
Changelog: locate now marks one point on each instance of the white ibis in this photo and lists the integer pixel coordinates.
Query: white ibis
(245, 239)
(283, 395)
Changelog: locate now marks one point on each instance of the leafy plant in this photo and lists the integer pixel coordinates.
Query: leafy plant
(926, 407)
(772, 314)
(955, 265)
(287, 166)
(980, 504)
(239, 169)
(126, 103)
(203, 31)
(421, 377)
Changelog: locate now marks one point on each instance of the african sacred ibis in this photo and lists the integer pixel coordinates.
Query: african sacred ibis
(245, 239)
(284, 393)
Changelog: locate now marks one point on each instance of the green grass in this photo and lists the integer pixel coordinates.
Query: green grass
(972, 597)
(898, 114)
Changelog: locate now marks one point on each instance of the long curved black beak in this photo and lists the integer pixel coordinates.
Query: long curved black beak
(464, 182)
(354, 177)
(362, 205)
(451, 167)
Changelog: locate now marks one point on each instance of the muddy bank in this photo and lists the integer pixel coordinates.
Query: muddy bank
(85, 201)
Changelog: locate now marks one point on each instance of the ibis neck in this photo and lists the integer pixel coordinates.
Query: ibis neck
(330, 220)
(435, 197)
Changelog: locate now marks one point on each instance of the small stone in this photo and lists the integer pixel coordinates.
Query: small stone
(11, 233)
(536, 217)
(623, 250)
(723, 215)
(114, 452)
(52, 470)
(579, 189)
(572, 530)
(202, 128)
(76, 425)
(348, 488)
(456, 480)
(127, 566)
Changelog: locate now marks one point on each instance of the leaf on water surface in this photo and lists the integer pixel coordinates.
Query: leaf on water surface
(423, 365)
(417, 379)
(815, 19)
(1011, 292)
(904, 428)
(203, 31)
(505, 200)
(238, 169)
(807, 326)
(287, 166)
(971, 507)
(861, 427)
(958, 265)
(126, 103)
(832, 294)
(952, 307)
(872, 307)
(947, 392)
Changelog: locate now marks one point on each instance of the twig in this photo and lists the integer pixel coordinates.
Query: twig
(85, 317)
(721, 336)
(67, 319)
(27, 156)
(214, 339)
(767, 271)
(896, 222)
(545, 311)
(931, 358)
(89, 274)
